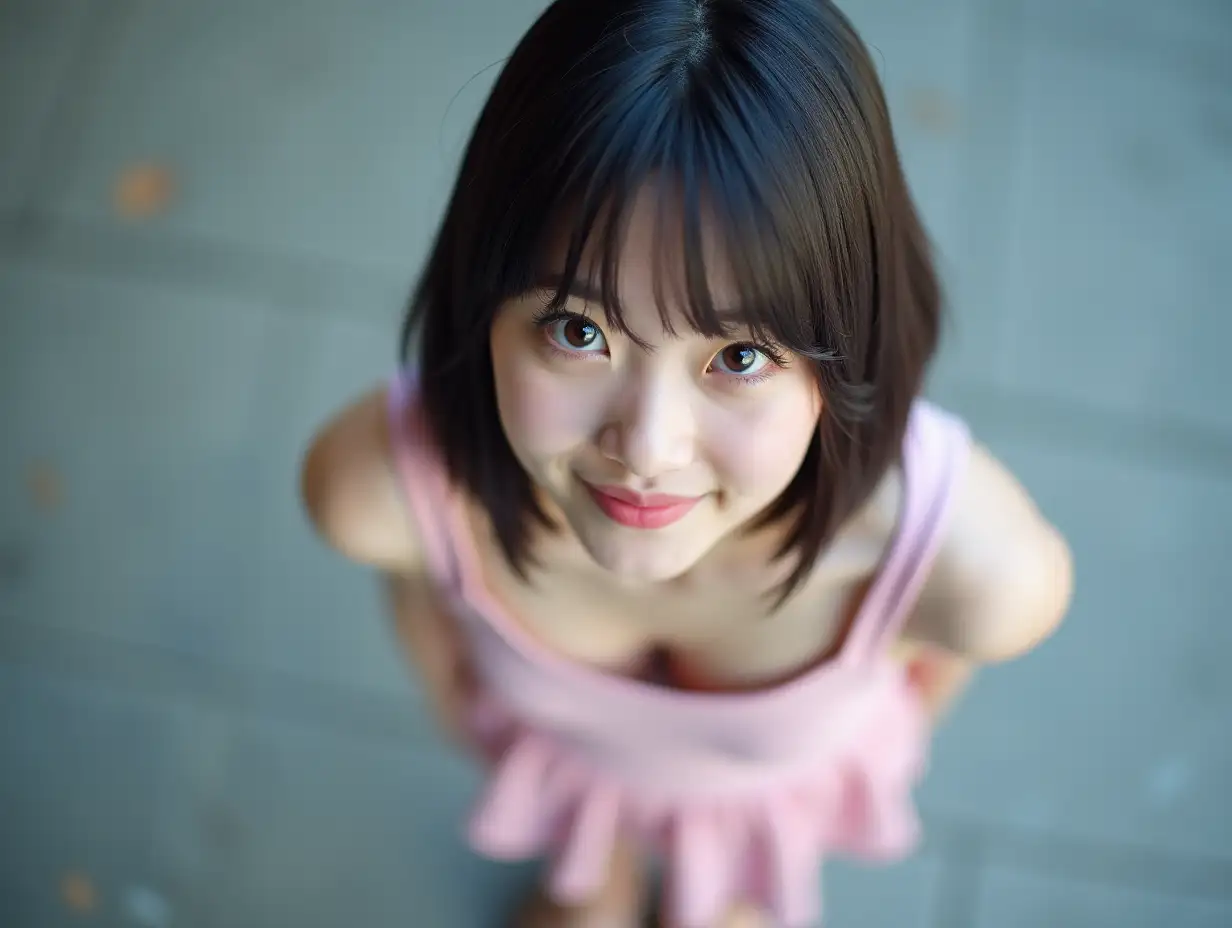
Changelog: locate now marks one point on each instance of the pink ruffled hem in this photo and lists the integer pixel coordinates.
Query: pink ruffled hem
(764, 847)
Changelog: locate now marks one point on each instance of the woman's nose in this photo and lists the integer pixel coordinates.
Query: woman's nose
(653, 429)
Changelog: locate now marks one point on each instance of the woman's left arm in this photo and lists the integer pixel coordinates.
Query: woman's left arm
(1001, 584)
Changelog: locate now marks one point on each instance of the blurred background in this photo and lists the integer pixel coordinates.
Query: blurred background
(210, 217)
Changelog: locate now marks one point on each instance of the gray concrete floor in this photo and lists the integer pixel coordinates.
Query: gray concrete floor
(203, 721)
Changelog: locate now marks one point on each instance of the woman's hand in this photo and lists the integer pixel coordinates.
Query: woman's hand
(938, 676)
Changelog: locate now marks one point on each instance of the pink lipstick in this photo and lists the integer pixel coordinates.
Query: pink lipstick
(639, 510)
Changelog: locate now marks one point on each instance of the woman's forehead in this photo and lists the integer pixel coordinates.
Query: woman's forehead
(650, 261)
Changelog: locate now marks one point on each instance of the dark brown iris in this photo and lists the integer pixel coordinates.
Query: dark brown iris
(738, 358)
(578, 333)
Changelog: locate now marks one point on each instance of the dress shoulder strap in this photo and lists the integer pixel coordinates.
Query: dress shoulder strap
(422, 479)
(936, 449)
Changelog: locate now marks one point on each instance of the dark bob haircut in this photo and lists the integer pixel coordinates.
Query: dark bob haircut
(767, 113)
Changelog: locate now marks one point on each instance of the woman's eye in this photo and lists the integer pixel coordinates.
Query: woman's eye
(740, 360)
(576, 333)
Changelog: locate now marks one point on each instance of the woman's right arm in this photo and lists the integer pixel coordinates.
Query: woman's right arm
(350, 491)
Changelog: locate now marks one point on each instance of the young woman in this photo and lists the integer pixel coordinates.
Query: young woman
(673, 540)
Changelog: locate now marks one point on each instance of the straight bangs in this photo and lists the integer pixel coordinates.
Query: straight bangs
(712, 208)
(737, 194)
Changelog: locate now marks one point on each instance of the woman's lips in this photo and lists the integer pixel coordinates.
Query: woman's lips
(637, 510)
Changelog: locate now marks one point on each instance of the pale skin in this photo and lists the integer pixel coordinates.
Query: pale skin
(683, 415)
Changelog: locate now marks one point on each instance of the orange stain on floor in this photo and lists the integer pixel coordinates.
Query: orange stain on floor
(78, 893)
(45, 486)
(932, 110)
(143, 190)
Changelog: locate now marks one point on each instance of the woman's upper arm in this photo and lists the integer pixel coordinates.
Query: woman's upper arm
(350, 490)
(1003, 579)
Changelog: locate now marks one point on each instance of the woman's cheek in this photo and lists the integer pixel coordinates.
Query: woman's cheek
(544, 412)
(758, 450)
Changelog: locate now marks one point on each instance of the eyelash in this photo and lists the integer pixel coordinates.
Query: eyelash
(546, 317)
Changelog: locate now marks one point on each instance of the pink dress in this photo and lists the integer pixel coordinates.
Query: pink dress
(740, 795)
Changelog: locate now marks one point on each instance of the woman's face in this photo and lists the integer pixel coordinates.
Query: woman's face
(651, 454)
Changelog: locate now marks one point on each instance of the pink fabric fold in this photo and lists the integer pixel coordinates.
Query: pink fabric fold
(761, 845)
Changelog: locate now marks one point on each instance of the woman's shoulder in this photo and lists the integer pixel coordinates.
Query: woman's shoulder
(350, 488)
(1003, 577)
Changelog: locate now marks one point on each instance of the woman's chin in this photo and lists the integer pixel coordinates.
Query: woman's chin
(640, 557)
